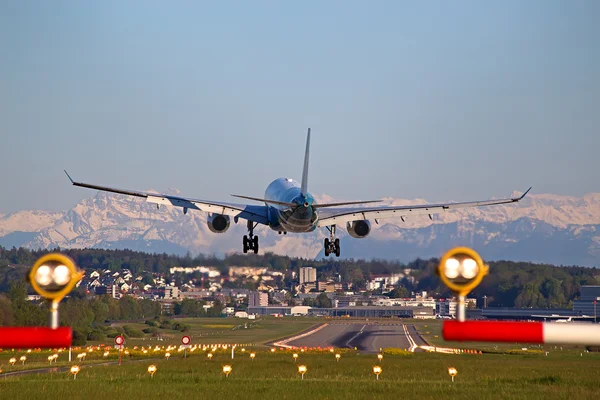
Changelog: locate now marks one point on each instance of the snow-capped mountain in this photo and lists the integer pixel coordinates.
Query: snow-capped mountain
(541, 228)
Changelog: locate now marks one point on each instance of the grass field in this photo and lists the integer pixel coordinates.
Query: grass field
(275, 375)
(228, 330)
(568, 373)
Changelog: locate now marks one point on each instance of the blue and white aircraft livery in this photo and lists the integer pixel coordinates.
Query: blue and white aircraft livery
(289, 207)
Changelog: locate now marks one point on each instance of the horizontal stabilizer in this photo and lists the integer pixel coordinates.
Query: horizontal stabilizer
(281, 203)
(347, 203)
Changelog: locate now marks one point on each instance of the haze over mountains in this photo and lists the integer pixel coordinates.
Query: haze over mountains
(541, 228)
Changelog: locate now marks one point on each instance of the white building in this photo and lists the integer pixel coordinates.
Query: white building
(447, 307)
(258, 299)
(308, 274)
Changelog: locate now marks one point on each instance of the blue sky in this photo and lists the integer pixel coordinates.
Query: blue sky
(437, 100)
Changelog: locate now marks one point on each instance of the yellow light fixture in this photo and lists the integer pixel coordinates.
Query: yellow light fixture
(452, 372)
(461, 270)
(53, 276)
(227, 370)
(74, 370)
(152, 370)
(302, 370)
(377, 370)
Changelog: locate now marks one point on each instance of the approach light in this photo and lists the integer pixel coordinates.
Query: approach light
(152, 370)
(337, 357)
(462, 269)
(226, 370)
(12, 361)
(377, 370)
(452, 372)
(302, 370)
(53, 276)
(106, 353)
(23, 359)
(295, 355)
(74, 370)
(167, 355)
(273, 350)
(209, 355)
(252, 355)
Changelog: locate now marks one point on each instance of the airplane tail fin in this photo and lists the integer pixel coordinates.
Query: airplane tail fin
(304, 185)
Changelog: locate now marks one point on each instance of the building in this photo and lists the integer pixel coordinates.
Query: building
(588, 301)
(447, 307)
(276, 310)
(258, 299)
(307, 274)
(111, 290)
(168, 292)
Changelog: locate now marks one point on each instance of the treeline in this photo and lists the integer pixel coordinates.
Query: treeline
(91, 318)
(510, 284)
(513, 284)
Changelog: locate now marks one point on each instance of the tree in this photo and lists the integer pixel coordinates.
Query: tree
(322, 301)
(129, 308)
(6, 311)
(399, 293)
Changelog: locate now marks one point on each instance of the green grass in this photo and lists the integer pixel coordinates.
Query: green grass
(275, 375)
(227, 330)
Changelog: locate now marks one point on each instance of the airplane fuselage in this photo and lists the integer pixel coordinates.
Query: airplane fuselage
(285, 219)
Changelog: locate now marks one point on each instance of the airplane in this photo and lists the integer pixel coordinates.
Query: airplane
(289, 207)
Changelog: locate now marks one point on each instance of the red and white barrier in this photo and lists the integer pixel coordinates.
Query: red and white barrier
(522, 332)
(35, 337)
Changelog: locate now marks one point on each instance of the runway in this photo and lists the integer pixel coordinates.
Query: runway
(365, 337)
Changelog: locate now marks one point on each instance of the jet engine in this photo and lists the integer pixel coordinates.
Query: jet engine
(358, 229)
(218, 223)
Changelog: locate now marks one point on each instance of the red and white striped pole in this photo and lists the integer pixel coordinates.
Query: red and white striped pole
(522, 332)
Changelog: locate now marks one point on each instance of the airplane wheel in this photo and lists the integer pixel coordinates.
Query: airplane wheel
(255, 244)
(326, 246)
(245, 241)
(337, 247)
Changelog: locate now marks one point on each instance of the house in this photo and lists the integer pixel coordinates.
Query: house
(95, 274)
(241, 314)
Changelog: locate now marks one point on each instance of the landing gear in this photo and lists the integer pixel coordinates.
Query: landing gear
(332, 245)
(251, 242)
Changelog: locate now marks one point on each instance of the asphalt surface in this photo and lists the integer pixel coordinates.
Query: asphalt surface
(367, 338)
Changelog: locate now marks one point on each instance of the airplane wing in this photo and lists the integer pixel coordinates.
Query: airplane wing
(250, 212)
(333, 216)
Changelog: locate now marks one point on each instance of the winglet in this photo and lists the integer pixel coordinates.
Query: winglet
(516, 199)
(525, 194)
(304, 185)
(69, 176)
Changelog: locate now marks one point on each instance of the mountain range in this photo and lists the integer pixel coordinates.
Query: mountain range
(542, 228)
